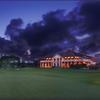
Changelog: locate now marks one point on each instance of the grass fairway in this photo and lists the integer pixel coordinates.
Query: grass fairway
(49, 84)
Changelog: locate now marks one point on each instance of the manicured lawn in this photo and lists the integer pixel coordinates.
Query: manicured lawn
(49, 84)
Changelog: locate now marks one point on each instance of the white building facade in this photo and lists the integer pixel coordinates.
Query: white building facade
(64, 61)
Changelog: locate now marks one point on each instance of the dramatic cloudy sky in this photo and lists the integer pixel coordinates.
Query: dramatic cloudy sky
(29, 10)
(48, 27)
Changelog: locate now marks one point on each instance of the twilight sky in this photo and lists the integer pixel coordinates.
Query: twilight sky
(29, 11)
(54, 25)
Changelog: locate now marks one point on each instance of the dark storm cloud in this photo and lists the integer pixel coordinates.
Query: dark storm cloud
(91, 24)
(52, 29)
(91, 13)
(48, 35)
(86, 17)
(86, 20)
(12, 47)
(17, 45)
(4, 45)
(14, 28)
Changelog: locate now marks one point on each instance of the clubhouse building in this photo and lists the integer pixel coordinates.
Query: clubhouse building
(65, 61)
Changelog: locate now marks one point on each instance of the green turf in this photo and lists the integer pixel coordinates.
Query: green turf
(49, 84)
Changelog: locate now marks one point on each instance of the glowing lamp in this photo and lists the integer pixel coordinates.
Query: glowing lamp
(72, 57)
(78, 57)
(84, 62)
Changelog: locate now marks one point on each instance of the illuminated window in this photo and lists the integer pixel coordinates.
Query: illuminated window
(72, 57)
(68, 57)
(77, 57)
(84, 62)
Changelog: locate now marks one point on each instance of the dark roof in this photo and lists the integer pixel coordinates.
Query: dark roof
(70, 53)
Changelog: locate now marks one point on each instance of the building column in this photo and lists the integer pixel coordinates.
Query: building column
(52, 64)
(48, 64)
(66, 64)
(42, 64)
(45, 64)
